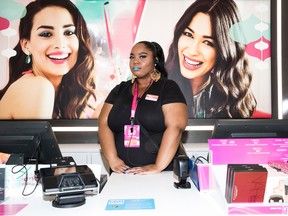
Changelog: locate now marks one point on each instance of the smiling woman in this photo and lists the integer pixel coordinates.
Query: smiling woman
(52, 74)
(209, 63)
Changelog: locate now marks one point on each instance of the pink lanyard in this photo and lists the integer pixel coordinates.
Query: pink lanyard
(134, 101)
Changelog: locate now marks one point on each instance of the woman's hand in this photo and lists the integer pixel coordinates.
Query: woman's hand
(144, 170)
(119, 166)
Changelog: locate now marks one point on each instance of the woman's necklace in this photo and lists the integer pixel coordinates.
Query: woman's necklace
(139, 96)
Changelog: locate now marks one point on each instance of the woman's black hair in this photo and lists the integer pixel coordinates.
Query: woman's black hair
(158, 54)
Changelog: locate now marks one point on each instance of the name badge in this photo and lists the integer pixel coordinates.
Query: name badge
(151, 97)
(132, 136)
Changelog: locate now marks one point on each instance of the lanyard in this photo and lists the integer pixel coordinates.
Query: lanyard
(134, 101)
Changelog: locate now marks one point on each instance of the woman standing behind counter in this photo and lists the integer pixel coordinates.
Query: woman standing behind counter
(142, 120)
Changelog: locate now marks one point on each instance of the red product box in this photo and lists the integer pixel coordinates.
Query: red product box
(247, 184)
(229, 177)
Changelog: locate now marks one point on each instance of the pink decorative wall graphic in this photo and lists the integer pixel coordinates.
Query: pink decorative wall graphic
(116, 25)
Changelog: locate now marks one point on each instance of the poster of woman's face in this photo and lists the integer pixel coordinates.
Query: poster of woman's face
(218, 51)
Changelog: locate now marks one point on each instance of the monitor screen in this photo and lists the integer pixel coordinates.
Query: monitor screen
(31, 139)
(250, 128)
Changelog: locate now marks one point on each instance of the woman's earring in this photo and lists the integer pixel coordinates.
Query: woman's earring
(28, 58)
(155, 75)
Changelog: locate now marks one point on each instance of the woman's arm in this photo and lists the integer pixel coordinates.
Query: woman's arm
(30, 97)
(107, 141)
(176, 117)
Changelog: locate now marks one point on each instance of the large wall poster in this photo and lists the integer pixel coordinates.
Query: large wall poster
(284, 59)
(116, 25)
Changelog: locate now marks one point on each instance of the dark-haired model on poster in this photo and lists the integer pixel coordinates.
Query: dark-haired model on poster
(52, 74)
(210, 67)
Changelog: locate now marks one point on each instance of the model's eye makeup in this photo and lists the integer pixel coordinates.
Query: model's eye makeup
(209, 43)
(207, 40)
(188, 34)
(142, 56)
(69, 32)
(45, 34)
(46, 31)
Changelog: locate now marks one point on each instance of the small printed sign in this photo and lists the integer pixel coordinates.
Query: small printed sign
(130, 204)
(248, 150)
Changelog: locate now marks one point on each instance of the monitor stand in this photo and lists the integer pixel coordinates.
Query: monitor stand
(15, 159)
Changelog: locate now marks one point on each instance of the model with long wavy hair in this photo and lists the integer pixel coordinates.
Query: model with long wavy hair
(74, 86)
(220, 88)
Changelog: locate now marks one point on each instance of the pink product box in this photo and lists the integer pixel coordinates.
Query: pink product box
(246, 209)
(204, 176)
(248, 150)
(276, 187)
(280, 165)
(201, 177)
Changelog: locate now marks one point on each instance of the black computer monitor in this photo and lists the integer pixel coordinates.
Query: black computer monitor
(250, 128)
(33, 140)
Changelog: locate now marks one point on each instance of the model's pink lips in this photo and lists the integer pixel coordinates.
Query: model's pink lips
(59, 57)
(191, 64)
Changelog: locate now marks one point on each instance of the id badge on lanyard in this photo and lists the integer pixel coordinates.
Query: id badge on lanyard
(132, 131)
(132, 136)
